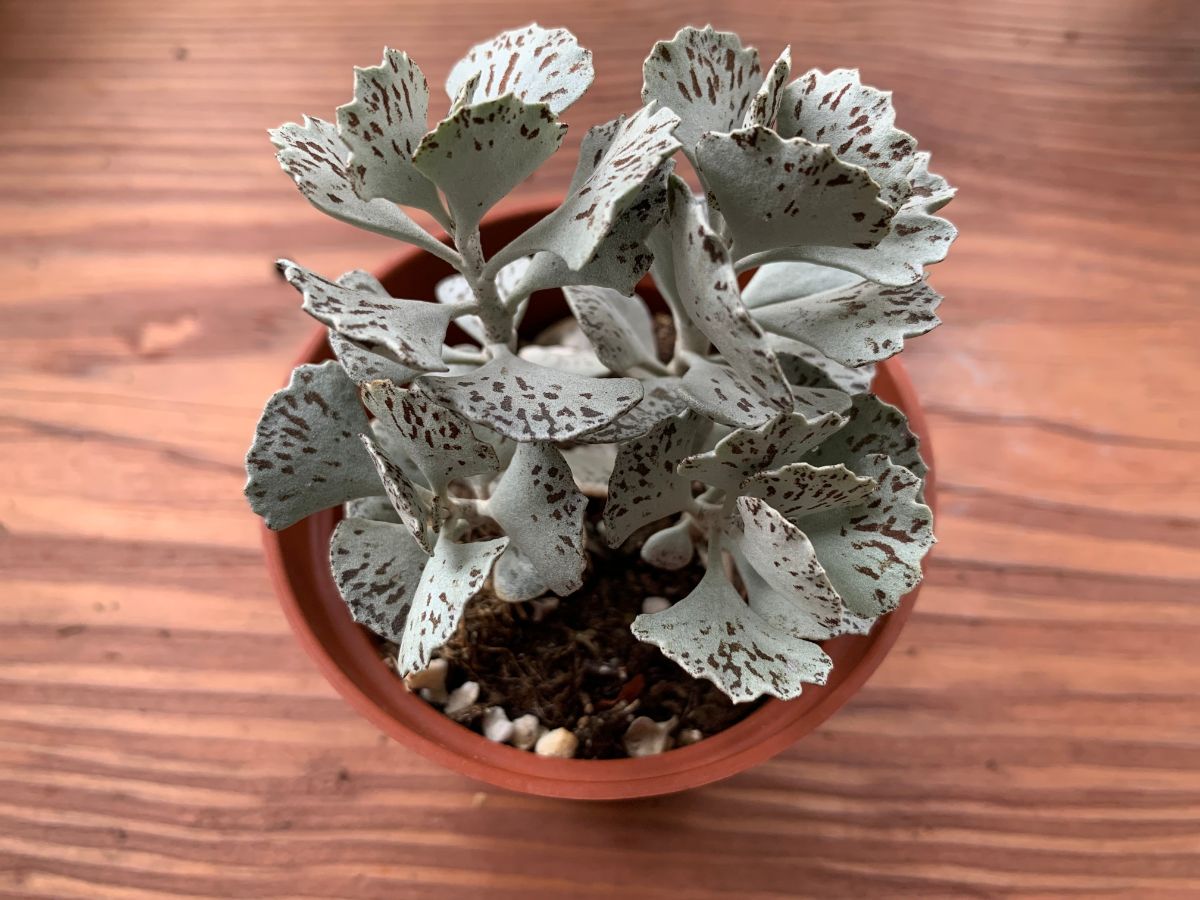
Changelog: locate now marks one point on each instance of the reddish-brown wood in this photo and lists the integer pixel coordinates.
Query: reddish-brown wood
(1036, 729)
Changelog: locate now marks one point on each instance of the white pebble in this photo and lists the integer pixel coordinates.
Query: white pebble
(645, 737)
(496, 726)
(690, 736)
(558, 742)
(462, 697)
(655, 605)
(430, 682)
(526, 730)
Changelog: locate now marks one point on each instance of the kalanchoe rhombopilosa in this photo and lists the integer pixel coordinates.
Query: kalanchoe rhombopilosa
(756, 444)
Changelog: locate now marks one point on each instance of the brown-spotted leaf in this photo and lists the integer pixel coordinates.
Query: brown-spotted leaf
(454, 574)
(540, 509)
(382, 126)
(708, 292)
(377, 566)
(748, 451)
(714, 635)
(538, 65)
(515, 580)
(872, 552)
(852, 381)
(856, 324)
(783, 557)
(716, 392)
(776, 193)
(661, 400)
(414, 504)
(856, 121)
(765, 105)
(873, 427)
(799, 489)
(618, 327)
(644, 486)
(706, 77)
(776, 282)
(624, 167)
(306, 455)
(483, 151)
(317, 160)
(528, 402)
(412, 331)
(439, 441)
(363, 364)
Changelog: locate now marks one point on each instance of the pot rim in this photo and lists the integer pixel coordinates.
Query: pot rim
(297, 560)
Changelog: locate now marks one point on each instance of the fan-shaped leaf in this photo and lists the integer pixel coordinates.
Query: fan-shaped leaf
(644, 486)
(671, 548)
(377, 566)
(856, 324)
(627, 166)
(618, 327)
(382, 126)
(873, 427)
(706, 77)
(777, 193)
(799, 489)
(438, 440)
(662, 399)
(306, 456)
(362, 364)
(316, 159)
(783, 557)
(748, 451)
(377, 509)
(713, 634)
(479, 154)
(765, 105)
(540, 509)
(852, 381)
(776, 282)
(714, 391)
(452, 576)
(527, 402)
(856, 121)
(514, 579)
(872, 552)
(708, 291)
(537, 64)
(412, 330)
(414, 504)
(564, 359)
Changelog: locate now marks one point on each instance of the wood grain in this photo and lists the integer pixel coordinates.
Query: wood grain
(1037, 730)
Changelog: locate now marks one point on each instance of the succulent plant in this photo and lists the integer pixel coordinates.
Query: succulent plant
(756, 444)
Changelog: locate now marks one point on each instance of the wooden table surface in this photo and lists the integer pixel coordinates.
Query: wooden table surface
(1035, 732)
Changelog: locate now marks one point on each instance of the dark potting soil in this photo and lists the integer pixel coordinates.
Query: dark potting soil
(579, 666)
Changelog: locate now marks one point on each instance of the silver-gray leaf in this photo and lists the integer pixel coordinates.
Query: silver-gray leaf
(856, 121)
(872, 552)
(799, 489)
(644, 486)
(382, 126)
(708, 291)
(714, 391)
(765, 105)
(748, 451)
(714, 635)
(454, 574)
(776, 282)
(377, 509)
(619, 328)
(377, 566)
(438, 440)
(528, 402)
(306, 455)
(363, 364)
(663, 398)
(412, 503)
(538, 65)
(413, 331)
(540, 509)
(873, 427)
(479, 154)
(317, 160)
(777, 193)
(706, 77)
(514, 579)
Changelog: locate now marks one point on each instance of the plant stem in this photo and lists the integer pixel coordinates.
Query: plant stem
(497, 319)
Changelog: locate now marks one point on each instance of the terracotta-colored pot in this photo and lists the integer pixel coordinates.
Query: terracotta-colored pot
(298, 559)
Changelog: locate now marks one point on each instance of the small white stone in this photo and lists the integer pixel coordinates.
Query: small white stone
(645, 737)
(462, 697)
(653, 605)
(558, 742)
(690, 736)
(496, 726)
(430, 682)
(526, 730)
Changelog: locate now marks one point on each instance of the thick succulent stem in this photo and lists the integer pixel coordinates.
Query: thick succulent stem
(496, 317)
